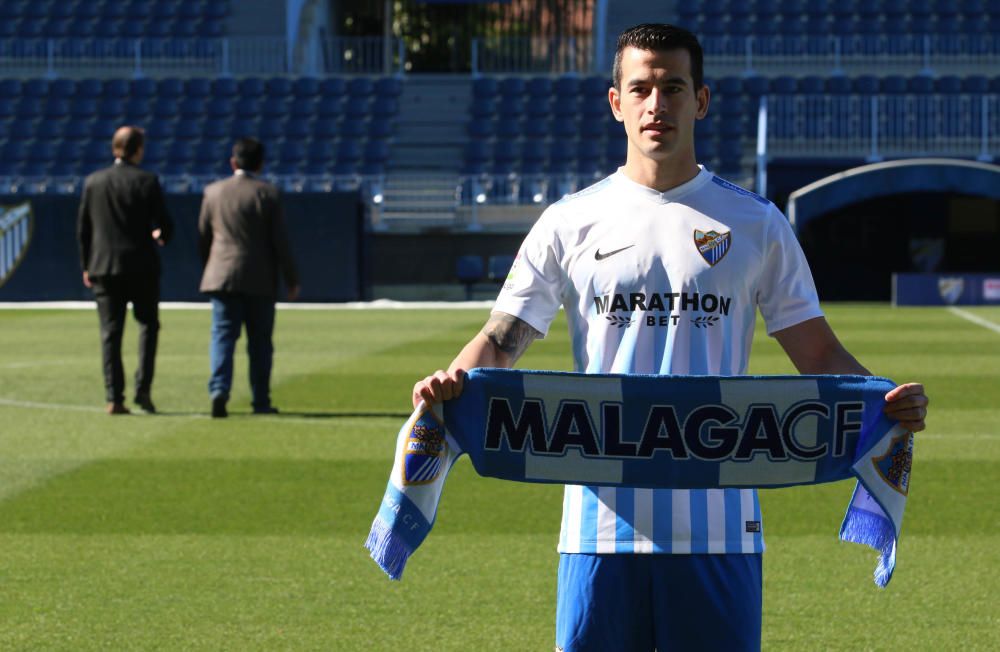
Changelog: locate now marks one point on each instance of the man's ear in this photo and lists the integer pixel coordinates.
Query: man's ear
(615, 100)
(704, 96)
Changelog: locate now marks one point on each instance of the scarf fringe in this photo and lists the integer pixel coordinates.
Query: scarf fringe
(387, 549)
(872, 530)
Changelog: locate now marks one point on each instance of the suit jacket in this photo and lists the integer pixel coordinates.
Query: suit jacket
(120, 207)
(243, 240)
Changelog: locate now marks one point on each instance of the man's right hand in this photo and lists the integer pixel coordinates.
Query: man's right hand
(86, 280)
(438, 387)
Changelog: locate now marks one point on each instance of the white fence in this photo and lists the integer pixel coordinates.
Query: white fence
(532, 55)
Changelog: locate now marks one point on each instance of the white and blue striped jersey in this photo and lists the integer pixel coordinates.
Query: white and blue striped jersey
(661, 283)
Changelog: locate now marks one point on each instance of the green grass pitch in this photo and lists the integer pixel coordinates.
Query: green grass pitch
(177, 532)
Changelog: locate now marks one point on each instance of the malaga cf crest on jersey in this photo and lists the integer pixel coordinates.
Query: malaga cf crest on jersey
(712, 245)
(425, 451)
(15, 236)
(895, 465)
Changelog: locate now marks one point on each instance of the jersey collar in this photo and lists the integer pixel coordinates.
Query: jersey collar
(675, 193)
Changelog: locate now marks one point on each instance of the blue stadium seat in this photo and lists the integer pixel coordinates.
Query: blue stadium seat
(539, 87)
(116, 88)
(84, 108)
(169, 87)
(188, 130)
(485, 87)
(865, 84)
(330, 107)
(326, 128)
(497, 267)
(111, 108)
(221, 107)
(757, 86)
(591, 128)
(481, 129)
(512, 87)
(975, 84)
(388, 87)
(510, 107)
(349, 151)
(38, 88)
(706, 150)
(469, 270)
(244, 128)
(360, 87)
(356, 127)
(920, 84)
(92, 88)
(217, 128)
(305, 87)
(137, 110)
(274, 107)
(252, 87)
(950, 84)
(508, 127)
(225, 87)
(333, 87)
(198, 87)
(357, 108)
(568, 86)
(812, 84)
(298, 130)
(270, 131)
(538, 107)
(192, 108)
(304, 108)
(7, 109)
(248, 108)
(482, 108)
(838, 85)
(279, 86)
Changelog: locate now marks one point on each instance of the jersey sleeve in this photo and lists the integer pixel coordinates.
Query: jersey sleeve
(786, 295)
(533, 290)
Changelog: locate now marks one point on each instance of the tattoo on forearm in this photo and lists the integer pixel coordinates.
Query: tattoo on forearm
(510, 335)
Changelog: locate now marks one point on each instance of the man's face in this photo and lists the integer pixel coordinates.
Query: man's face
(658, 103)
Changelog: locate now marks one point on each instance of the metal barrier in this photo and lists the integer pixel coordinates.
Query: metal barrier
(257, 55)
(875, 127)
(855, 54)
(532, 55)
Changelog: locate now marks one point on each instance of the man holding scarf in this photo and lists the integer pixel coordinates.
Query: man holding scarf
(661, 268)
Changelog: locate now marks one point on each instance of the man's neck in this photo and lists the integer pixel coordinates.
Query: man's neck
(660, 175)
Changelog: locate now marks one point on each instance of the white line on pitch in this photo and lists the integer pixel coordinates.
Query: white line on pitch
(985, 323)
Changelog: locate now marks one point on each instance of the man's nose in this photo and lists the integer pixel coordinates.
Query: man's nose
(656, 102)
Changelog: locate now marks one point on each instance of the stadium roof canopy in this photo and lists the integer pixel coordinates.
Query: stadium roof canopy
(892, 178)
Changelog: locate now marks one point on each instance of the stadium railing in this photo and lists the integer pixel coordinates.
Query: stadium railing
(256, 55)
(535, 55)
(857, 53)
(875, 127)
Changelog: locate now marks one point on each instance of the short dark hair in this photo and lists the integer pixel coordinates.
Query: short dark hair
(248, 154)
(658, 37)
(127, 141)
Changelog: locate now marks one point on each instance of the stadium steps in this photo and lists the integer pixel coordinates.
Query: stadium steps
(418, 201)
(430, 132)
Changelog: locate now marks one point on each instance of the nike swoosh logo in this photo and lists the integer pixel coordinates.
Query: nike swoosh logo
(599, 256)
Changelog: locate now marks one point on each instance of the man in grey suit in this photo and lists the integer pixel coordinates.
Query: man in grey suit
(244, 246)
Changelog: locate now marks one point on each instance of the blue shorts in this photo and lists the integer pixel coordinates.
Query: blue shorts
(635, 603)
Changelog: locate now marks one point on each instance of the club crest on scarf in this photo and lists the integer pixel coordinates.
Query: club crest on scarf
(712, 245)
(15, 236)
(895, 465)
(425, 450)
(951, 288)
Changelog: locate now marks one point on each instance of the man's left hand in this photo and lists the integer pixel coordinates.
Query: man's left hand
(907, 404)
(157, 235)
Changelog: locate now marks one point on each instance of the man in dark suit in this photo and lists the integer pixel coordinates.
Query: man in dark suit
(244, 246)
(122, 218)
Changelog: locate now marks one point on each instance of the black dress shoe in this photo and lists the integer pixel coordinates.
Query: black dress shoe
(145, 403)
(270, 409)
(219, 407)
(117, 408)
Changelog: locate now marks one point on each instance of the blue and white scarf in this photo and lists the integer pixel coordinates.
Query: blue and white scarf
(674, 432)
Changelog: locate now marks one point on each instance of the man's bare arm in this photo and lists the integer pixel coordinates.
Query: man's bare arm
(501, 342)
(813, 348)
